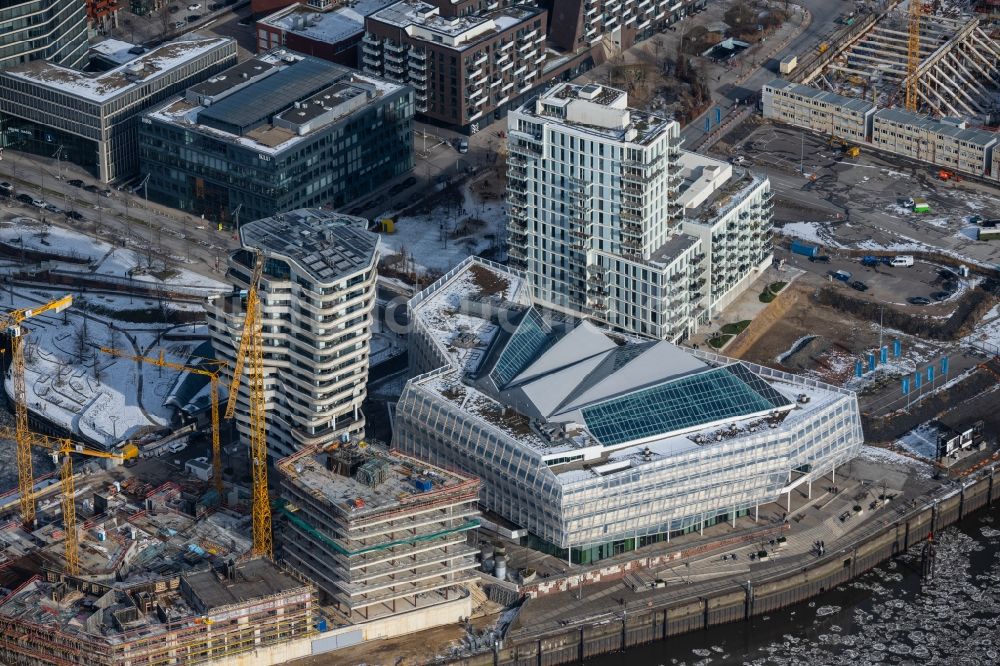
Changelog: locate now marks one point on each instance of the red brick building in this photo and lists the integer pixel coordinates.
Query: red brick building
(102, 15)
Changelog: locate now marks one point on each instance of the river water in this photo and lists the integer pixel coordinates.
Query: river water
(887, 616)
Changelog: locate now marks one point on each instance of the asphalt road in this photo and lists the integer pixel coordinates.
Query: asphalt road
(119, 218)
(725, 93)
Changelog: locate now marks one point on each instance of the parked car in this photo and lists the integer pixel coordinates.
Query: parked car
(73, 215)
(859, 285)
(463, 145)
(194, 7)
(902, 260)
(38, 203)
(820, 259)
(25, 198)
(52, 208)
(177, 25)
(918, 300)
(843, 276)
(75, 182)
(191, 18)
(105, 193)
(6, 189)
(92, 188)
(941, 296)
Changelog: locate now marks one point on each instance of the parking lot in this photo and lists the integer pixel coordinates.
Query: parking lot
(859, 202)
(889, 285)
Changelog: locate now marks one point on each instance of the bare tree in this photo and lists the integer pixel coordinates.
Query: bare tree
(81, 341)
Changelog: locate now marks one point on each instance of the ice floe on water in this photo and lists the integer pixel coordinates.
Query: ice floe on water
(953, 619)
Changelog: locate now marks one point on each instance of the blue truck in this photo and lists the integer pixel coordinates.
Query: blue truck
(805, 249)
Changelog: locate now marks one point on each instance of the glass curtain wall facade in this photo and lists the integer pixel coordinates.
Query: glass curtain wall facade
(670, 496)
(332, 166)
(54, 30)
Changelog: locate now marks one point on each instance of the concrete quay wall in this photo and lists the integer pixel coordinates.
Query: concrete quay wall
(666, 617)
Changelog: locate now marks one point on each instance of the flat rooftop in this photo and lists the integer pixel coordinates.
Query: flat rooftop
(851, 103)
(724, 197)
(955, 128)
(211, 589)
(257, 103)
(590, 402)
(104, 86)
(328, 27)
(422, 20)
(599, 110)
(326, 246)
(359, 479)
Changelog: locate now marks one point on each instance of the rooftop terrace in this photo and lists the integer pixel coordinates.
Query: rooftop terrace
(324, 245)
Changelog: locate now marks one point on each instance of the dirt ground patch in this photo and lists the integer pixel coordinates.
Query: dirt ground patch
(830, 354)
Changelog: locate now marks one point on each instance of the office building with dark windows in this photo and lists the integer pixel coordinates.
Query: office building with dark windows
(596, 442)
(90, 118)
(277, 132)
(54, 30)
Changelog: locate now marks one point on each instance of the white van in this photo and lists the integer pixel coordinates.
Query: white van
(902, 260)
(176, 447)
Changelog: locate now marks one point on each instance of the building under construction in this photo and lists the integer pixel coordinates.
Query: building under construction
(206, 615)
(379, 532)
(956, 65)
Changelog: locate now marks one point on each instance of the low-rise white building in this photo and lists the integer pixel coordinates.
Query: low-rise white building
(597, 443)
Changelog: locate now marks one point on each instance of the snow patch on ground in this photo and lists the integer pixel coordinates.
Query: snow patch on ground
(103, 258)
(921, 441)
(887, 457)
(69, 381)
(427, 239)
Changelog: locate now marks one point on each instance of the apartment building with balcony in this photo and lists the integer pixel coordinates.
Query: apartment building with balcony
(580, 24)
(317, 292)
(606, 218)
(463, 68)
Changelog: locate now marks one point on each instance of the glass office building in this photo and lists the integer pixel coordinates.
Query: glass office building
(90, 118)
(54, 30)
(596, 443)
(275, 133)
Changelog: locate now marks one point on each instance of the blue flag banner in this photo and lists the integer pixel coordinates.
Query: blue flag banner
(871, 361)
(944, 366)
(916, 380)
(897, 348)
(930, 373)
(884, 355)
(906, 385)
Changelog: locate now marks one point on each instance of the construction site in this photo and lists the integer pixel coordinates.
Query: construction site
(925, 57)
(111, 552)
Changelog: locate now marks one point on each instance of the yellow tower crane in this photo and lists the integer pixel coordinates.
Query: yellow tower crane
(250, 355)
(213, 377)
(913, 56)
(62, 450)
(12, 322)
